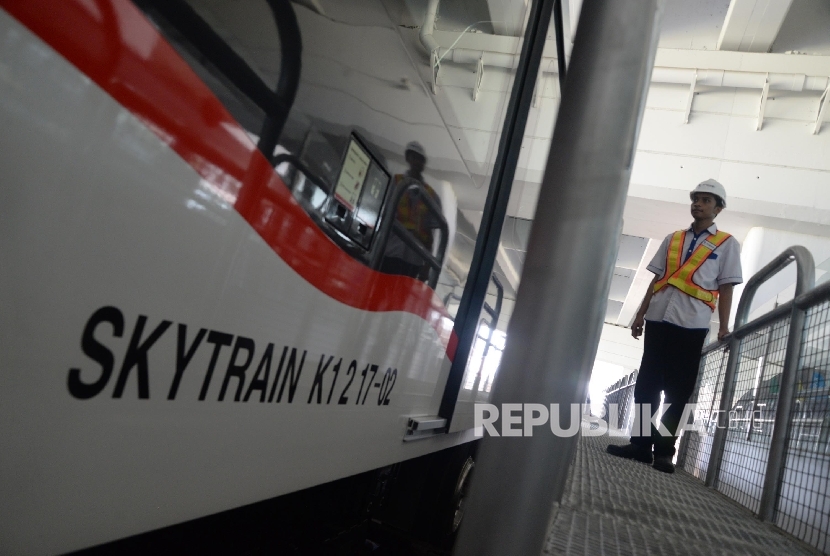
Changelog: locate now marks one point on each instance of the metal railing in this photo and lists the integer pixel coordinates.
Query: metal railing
(491, 326)
(388, 224)
(198, 35)
(620, 397)
(763, 408)
(433, 260)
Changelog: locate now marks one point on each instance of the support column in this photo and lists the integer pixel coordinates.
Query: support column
(553, 335)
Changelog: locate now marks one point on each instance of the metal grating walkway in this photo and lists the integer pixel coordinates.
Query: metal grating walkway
(616, 506)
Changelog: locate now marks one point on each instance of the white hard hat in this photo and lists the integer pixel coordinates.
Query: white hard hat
(416, 147)
(709, 186)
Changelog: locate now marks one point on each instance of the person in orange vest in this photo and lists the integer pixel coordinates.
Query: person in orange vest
(694, 272)
(415, 216)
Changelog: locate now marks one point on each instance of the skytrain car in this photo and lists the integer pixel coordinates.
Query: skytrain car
(232, 254)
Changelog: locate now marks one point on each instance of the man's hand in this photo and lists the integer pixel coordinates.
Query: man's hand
(637, 327)
(722, 333)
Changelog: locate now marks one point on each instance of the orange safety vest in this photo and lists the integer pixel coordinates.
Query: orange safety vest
(681, 276)
(414, 213)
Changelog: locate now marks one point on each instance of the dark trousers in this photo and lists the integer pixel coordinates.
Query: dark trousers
(671, 360)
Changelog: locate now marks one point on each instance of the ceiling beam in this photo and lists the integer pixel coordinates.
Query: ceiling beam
(508, 18)
(752, 25)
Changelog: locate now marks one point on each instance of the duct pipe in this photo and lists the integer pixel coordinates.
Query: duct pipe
(560, 307)
(740, 79)
(467, 56)
(679, 76)
(427, 40)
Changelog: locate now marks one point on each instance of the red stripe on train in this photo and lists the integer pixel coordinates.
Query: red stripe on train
(115, 46)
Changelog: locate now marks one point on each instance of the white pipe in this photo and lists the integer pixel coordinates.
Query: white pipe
(720, 69)
(680, 76)
(467, 56)
(428, 27)
(740, 79)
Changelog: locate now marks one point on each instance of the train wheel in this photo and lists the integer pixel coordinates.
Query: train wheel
(459, 498)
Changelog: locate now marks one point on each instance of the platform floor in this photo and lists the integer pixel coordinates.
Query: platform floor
(621, 507)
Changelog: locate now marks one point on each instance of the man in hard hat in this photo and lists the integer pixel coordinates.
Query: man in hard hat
(415, 215)
(694, 272)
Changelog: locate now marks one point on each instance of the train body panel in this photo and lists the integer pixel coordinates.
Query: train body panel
(179, 338)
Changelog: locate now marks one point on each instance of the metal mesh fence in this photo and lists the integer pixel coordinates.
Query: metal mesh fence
(752, 413)
(697, 447)
(804, 499)
(619, 403)
(770, 384)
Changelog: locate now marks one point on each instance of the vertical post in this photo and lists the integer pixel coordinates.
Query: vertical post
(758, 382)
(560, 307)
(560, 44)
(684, 438)
(492, 326)
(778, 443)
(728, 392)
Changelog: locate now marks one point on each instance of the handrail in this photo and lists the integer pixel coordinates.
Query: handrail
(298, 164)
(805, 278)
(805, 283)
(495, 313)
(201, 36)
(779, 312)
(409, 239)
(813, 297)
(291, 48)
(623, 387)
(491, 327)
(435, 261)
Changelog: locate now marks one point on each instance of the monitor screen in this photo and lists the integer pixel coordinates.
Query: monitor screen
(374, 192)
(352, 175)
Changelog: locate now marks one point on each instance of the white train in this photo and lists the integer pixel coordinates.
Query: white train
(185, 329)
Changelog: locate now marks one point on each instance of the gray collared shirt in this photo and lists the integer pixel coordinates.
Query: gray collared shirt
(723, 266)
